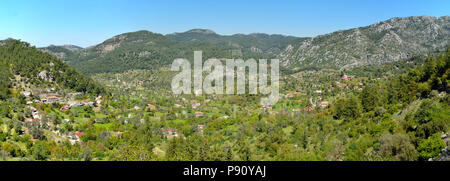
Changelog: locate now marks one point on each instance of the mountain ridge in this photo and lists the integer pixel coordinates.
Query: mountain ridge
(386, 41)
(392, 40)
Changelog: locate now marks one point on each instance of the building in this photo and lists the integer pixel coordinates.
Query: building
(308, 109)
(66, 107)
(52, 99)
(171, 133)
(267, 108)
(324, 104)
(26, 93)
(79, 134)
(200, 128)
(198, 114)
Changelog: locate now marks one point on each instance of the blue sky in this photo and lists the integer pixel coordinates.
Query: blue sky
(89, 22)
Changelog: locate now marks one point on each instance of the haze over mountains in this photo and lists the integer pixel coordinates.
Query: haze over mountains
(392, 40)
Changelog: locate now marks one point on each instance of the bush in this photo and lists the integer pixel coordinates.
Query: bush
(431, 147)
(397, 147)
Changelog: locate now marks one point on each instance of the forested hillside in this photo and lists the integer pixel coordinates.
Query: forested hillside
(20, 60)
(271, 45)
(146, 50)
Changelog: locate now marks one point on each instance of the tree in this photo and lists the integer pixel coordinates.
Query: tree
(369, 98)
(40, 151)
(431, 147)
(347, 108)
(86, 155)
(397, 147)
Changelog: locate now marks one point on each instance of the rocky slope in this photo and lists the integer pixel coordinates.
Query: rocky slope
(387, 41)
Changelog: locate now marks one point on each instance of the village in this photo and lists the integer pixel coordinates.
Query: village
(66, 101)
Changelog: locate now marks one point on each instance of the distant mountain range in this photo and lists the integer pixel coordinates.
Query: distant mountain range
(147, 50)
(392, 40)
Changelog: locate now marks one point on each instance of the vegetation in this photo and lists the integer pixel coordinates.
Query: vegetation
(20, 59)
(151, 51)
(324, 114)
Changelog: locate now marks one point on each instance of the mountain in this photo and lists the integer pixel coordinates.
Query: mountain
(139, 50)
(387, 41)
(255, 42)
(64, 51)
(23, 67)
(147, 50)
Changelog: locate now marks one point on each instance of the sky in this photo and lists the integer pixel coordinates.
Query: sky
(89, 22)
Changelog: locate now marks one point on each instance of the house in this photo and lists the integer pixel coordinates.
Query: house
(357, 88)
(66, 107)
(195, 105)
(308, 109)
(79, 134)
(26, 93)
(341, 85)
(318, 92)
(65, 120)
(267, 108)
(52, 99)
(198, 114)
(324, 104)
(200, 128)
(171, 133)
(72, 136)
(33, 109)
(345, 77)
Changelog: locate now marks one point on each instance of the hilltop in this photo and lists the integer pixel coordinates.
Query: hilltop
(255, 42)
